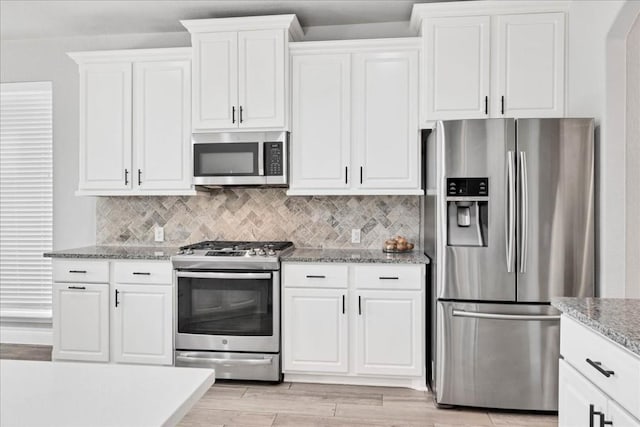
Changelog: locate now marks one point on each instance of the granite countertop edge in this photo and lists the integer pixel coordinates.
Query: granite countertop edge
(618, 319)
(368, 256)
(163, 253)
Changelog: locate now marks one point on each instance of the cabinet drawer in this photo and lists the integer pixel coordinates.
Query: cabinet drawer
(81, 271)
(578, 343)
(159, 272)
(321, 275)
(388, 276)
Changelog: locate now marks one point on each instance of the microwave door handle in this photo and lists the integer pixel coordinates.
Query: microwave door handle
(261, 159)
(207, 275)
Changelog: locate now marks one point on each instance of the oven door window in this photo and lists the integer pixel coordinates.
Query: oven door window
(235, 307)
(226, 159)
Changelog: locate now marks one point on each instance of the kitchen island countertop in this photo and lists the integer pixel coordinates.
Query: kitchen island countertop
(616, 318)
(373, 256)
(116, 252)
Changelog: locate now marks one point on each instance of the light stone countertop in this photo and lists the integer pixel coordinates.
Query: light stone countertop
(616, 318)
(374, 256)
(116, 252)
(67, 394)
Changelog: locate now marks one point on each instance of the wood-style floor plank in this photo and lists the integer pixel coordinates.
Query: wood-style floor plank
(258, 404)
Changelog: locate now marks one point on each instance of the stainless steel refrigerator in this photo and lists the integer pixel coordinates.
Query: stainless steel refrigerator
(508, 222)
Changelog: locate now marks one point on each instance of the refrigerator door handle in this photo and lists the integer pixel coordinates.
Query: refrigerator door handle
(511, 210)
(524, 215)
(500, 316)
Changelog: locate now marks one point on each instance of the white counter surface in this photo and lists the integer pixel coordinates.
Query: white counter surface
(89, 394)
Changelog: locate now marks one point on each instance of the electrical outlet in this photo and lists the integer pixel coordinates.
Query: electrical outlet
(159, 234)
(355, 235)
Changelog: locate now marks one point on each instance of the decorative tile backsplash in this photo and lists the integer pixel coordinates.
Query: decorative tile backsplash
(257, 214)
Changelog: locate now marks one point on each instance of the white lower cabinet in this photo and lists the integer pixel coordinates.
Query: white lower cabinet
(316, 328)
(342, 324)
(598, 381)
(81, 321)
(126, 317)
(583, 404)
(141, 326)
(388, 333)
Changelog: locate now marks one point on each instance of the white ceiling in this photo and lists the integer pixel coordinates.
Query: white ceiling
(41, 19)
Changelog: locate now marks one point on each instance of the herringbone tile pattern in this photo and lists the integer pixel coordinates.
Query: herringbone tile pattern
(258, 214)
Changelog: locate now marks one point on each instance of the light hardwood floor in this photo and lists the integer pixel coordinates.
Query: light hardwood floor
(233, 403)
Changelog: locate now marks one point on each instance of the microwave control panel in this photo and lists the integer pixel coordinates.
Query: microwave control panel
(273, 158)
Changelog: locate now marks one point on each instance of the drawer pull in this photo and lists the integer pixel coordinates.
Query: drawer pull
(138, 273)
(593, 413)
(76, 287)
(598, 366)
(316, 277)
(78, 271)
(388, 277)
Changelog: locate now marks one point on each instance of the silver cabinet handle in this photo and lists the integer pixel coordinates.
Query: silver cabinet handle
(511, 211)
(202, 275)
(524, 216)
(500, 316)
(228, 362)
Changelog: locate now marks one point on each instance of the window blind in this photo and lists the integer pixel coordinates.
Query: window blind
(26, 200)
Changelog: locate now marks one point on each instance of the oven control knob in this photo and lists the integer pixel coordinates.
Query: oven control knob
(251, 252)
(261, 252)
(271, 252)
(188, 252)
(180, 252)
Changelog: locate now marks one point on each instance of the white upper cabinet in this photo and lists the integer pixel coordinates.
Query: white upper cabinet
(355, 117)
(498, 59)
(385, 120)
(321, 126)
(162, 137)
(135, 122)
(105, 126)
(215, 76)
(240, 74)
(456, 67)
(530, 65)
(261, 79)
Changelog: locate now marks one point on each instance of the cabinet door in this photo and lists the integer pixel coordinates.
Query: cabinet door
(81, 321)
(315, 330)
(261, 78)
(457, 68)
(321, 123)
(162, 125)
(577, 399)
(105, 126)
(530, 65)
(142, 324)
(619, 417)
(389, 333)
(385, 115)
(215, 81)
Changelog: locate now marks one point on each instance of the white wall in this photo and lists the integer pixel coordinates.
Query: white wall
(587, 89)
(633, 162)
(46, 60)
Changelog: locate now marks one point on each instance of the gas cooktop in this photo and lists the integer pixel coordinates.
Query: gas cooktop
(227, 255)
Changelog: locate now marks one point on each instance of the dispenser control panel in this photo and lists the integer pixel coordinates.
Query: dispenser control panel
(468, 187)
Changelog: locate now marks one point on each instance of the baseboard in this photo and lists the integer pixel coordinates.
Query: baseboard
(26, 335)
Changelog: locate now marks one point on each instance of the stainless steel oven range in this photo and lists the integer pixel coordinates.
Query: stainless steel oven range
(227, 314)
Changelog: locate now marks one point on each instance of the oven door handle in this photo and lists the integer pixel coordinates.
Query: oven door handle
(211, 275)
(229, 362)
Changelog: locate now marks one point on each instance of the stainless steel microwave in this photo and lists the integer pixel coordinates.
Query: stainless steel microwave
(241, 158)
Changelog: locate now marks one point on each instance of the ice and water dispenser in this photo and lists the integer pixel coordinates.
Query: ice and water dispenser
(467, 211)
